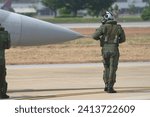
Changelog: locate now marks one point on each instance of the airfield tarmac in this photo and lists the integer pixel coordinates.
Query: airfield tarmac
(77, 82)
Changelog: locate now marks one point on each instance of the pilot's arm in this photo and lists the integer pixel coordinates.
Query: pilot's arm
(98, 33)
(121, 34)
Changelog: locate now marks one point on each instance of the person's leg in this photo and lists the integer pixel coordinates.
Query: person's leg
(106, 64)
(113, 68)
(4, 84)
(1, 80)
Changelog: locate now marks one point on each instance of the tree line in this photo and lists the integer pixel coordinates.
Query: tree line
(94, 7)
(146, 12)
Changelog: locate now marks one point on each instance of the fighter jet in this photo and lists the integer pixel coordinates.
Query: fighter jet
(27, 31)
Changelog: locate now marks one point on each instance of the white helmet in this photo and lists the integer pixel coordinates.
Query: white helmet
(108, 16)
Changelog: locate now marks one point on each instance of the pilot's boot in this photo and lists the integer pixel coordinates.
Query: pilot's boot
(106, 87)
(110, 88)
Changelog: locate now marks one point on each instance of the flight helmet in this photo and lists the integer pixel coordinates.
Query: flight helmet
(108, 16)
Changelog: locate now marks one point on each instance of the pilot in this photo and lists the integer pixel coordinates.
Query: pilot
(110, 35)
(4, 44)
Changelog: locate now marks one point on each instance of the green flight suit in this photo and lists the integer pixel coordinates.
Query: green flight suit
(110, 35)
(4, 44)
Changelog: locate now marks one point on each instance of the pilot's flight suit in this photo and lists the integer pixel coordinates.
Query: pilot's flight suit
(110, 35)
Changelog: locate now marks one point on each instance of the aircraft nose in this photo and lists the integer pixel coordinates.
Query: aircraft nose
(68, 34)
(27, 31)
(37, 32)
(63, 33)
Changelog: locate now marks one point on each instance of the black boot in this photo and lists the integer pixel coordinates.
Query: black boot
(4, 96)
(110, 88)
(3, 92)
(106, 87)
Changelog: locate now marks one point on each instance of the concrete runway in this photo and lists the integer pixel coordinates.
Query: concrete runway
(77, 81)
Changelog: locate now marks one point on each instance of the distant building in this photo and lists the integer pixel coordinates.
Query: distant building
(30, 7)
(125, 5)
(25, 1)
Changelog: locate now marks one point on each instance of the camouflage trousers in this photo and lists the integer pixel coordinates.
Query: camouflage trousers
(3, 83)
(110, 55)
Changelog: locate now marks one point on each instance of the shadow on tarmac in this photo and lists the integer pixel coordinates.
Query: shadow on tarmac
(119, 90)
(53, 96)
